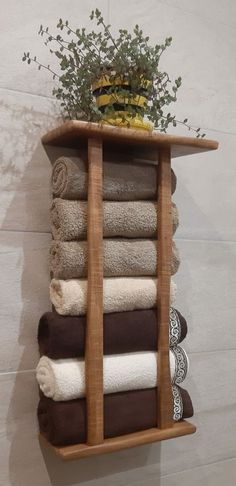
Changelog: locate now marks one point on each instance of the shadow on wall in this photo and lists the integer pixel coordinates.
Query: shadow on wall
(27, 462)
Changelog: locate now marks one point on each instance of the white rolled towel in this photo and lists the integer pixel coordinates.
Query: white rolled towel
(69, 297)
(64, 379)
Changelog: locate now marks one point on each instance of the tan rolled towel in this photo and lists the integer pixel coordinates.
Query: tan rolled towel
(69, 297)
(121, 257)
(129, 219)
(122, 181)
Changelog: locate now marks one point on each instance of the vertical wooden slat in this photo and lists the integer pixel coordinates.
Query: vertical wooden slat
(164, 248)
(94, 331)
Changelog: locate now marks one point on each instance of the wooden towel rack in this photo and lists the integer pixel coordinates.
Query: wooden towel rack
(155, 146)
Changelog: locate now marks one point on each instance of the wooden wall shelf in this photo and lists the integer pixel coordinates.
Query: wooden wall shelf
(95, 138)
(75, 134)
(123, 442)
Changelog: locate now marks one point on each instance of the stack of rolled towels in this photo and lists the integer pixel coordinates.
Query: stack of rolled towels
(130, 228)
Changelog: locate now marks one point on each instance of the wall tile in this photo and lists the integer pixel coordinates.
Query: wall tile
(206, 293)
(205, 193)
(18, 34)
(200, 46)
(216, 474)
(215, 12)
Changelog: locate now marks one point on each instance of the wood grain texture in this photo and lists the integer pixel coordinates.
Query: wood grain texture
(165, 397)
(94, 332)
(74, 133)
(123, 442)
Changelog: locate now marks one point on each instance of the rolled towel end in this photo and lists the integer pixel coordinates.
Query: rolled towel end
(45, 377)
(69, 297)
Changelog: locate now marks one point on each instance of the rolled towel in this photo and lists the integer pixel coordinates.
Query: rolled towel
(122, 181)
(62, 337)
(64, 423)
(64, 379)
(130, 219)
(121, 257)
(69, 297)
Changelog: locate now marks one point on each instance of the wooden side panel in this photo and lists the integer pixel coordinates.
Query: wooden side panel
(94, 333)
(165, 399)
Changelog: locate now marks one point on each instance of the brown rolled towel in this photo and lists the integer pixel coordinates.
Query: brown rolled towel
(122, 257)
(64, 423)
(129, 219)
(122, 181)
(62, 337)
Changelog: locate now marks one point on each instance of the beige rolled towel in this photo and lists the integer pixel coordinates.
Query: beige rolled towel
(121, 257)
(122, 181)
(69, 297)
(64, 379)
(129, 219)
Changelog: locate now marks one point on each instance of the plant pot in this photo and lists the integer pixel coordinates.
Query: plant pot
(119, 104)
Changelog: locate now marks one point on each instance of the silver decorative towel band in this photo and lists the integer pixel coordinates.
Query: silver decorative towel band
(182, 364)
(178, 404)
(175, 328)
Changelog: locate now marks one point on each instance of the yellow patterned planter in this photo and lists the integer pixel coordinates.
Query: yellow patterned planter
(121, 101)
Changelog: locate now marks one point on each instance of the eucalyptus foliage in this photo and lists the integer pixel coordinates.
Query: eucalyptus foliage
(84, 57)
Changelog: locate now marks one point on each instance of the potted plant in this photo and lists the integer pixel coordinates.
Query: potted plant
(111, 80)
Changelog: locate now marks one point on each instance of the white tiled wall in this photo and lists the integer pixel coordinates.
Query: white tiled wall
(203, 51)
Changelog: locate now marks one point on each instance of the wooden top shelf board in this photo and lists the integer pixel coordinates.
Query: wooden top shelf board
(75, 133)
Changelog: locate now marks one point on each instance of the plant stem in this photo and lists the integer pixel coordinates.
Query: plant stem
(44, 67)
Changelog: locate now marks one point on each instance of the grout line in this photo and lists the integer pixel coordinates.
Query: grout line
(219, 461)
(108, 11)
(2, 373)
(189, 353)
(205, 128)
(27, 93)
(24, 231)
(211, 351)
(210, 240)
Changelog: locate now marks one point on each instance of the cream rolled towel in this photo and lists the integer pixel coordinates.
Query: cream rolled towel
(129, 219)
(122, 181)
(65, 379)
(69, 297)
(121, 257)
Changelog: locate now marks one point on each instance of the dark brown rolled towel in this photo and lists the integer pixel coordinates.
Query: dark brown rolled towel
(122, 181)
(64, 423)
(62, 337)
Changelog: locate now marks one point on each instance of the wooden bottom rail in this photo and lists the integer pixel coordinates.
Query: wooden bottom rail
(122, 442)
